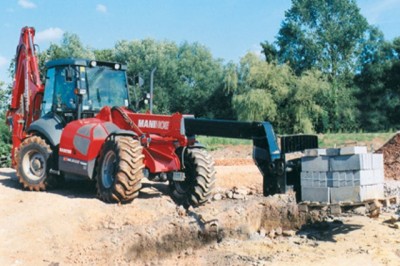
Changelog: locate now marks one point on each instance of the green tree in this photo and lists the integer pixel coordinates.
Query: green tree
(199, 77)
(141, 57)
(271, 92)
(186, 78)
(5, 139)
(70, 47)
(306, 104)
(326, 36)
(262, 88)
(104, 55)
(270, 51)
(5, 94)
(321, 34)
(378, 82)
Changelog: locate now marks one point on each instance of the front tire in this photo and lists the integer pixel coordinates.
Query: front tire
(34, 159)
(199, 181)
(119, 170)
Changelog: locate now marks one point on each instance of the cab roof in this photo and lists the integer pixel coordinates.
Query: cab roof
(81, 62)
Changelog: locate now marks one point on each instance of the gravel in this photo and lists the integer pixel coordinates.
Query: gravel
(392, 188)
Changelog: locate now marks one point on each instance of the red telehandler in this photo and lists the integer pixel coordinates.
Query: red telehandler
(79, 123)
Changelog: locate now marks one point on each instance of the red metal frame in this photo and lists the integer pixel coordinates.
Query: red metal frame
(161, 135)
(27, 89)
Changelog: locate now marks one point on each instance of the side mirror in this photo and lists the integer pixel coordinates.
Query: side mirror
(68, 74)
(136, 81)
(140, 81)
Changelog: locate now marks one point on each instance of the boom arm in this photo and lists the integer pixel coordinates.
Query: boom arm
(27, 89)
(269, 159)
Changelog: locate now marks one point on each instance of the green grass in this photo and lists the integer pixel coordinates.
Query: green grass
(213, 143)
(352, 139)
(330, 140)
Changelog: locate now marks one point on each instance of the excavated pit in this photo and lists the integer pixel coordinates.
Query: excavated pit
(218, 221)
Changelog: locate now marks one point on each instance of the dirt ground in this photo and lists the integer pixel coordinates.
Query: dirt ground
(70, 226)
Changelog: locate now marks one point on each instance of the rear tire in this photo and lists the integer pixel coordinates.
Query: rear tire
(199, 181)
(34, 159)
(119, 170)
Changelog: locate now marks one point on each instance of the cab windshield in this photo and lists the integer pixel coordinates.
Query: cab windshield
(106, 87)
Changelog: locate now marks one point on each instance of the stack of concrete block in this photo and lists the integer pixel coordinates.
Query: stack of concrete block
(341, 175)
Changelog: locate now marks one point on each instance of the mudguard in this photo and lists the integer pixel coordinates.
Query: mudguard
(81, 142)
(50, 126)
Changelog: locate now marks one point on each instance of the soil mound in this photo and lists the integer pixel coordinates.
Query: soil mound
(391, 157)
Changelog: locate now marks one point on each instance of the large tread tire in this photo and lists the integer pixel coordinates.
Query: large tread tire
(200, 179)
(119, 170)
(34, 159)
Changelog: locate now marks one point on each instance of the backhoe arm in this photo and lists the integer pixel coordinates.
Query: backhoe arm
(27, 91)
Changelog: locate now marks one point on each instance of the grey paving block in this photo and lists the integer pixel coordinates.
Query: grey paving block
(372, 192)
(315, 164)
(369, 177)
(330, 181)
(307, 183)
(321, 152)
(339, 194)
(306, 179)
(319, 194)
(356, 193)
(314, 179)
(357, 178)
(332, 152)
(314, 152)
(342, 179)
(377, 161)
(351, 162)
(353, 150)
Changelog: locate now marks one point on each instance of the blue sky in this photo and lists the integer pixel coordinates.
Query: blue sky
(229, 28)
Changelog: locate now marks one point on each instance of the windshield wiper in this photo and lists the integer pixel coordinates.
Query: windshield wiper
(98, 95)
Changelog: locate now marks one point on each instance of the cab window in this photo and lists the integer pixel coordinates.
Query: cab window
(65, 84)
(48, 92)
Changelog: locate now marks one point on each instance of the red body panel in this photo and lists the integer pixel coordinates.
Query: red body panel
(160, 134)
(77, 134)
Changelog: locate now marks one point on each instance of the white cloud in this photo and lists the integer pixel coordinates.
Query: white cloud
(3, 61)
(26, 4)
(101, 8)
(50, 34)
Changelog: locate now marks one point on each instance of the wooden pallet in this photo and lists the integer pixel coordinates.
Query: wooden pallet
(388, 201)
(373, 206)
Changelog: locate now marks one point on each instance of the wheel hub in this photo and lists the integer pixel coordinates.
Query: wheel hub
(34, 165)
(108, 169)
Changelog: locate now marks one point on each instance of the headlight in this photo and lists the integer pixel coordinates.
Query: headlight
(93, 63)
